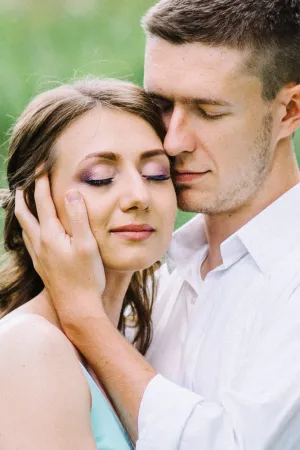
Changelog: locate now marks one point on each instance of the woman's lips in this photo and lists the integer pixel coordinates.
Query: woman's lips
(134, 235)
(134, 232)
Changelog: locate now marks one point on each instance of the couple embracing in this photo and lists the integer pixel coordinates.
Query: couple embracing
(102, 347)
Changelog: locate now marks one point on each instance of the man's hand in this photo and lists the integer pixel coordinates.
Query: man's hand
(70, 266)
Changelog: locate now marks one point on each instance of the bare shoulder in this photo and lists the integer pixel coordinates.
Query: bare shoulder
(30, 344)
(30, 332)
(43, 392)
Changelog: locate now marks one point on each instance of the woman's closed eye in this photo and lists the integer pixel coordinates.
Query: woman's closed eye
(95, 182)
(104, 176)
(107, 181)
(156, 171)
(98, 175)
(160, 177)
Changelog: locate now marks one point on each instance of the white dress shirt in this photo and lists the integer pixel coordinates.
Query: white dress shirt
(227, 349)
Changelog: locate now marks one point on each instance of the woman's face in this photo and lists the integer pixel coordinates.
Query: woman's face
(117, 162)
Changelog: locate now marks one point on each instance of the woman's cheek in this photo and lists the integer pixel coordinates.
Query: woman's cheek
(171, 207)
(168, 208)
(98, 217)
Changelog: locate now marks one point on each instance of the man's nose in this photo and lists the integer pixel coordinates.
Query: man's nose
(180, 135)
(135, 194)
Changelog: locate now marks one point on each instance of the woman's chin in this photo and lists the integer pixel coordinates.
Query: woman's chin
(132, 258)
(129, 265)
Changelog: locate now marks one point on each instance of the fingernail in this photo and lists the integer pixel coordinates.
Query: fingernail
(73, 196)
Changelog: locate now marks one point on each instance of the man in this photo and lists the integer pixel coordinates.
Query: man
(227, 318)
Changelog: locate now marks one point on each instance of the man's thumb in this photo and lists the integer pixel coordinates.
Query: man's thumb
(77, 214)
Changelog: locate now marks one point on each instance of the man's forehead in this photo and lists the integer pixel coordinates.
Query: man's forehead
(183, 68)
(194, 54)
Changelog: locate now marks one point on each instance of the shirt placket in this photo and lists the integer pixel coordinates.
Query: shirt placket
(198, 321)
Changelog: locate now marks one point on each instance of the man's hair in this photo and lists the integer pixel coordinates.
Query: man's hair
(269, 29)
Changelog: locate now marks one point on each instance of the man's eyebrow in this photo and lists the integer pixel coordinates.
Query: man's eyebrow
(194, 100)
(154, 96)
(206, 101)
(112, 156)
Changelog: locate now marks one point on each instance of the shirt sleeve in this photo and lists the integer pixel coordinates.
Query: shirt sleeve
(259, 410)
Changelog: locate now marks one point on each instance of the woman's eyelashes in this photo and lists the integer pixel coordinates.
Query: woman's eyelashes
(94, 181)
(162, 177)
(151, 171)
(103, 182)
(98, 177)
(107, 181)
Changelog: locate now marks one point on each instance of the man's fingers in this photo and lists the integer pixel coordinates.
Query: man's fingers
(29, 247)
(26, 220)
(79, 221)
(45, 207)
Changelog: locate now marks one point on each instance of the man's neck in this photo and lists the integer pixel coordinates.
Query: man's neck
(221, 226)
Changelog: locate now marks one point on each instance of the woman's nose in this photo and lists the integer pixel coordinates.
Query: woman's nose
(135, 194)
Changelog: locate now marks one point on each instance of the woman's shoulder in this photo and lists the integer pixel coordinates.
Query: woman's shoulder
(23, 330)
(30, 341)
(43, 391)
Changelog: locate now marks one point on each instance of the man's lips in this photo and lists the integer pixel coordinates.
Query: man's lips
(134, 232)
(186, 176)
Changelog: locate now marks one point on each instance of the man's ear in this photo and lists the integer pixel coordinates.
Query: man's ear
(291, 113)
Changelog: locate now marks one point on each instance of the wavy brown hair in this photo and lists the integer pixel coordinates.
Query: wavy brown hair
(31, 146)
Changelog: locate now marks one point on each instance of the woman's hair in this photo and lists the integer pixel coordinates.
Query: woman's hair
(31, 147)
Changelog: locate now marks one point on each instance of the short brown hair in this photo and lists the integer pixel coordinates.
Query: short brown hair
(270, 29)
(32, 145)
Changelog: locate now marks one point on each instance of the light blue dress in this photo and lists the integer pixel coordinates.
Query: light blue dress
(108, 432)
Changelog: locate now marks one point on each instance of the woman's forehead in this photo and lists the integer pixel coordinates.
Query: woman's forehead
(106, 131)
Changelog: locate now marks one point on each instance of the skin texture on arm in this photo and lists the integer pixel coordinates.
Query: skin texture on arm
(122, 371)
(45, 400)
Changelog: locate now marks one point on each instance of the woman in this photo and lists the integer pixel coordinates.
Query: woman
(103, 139)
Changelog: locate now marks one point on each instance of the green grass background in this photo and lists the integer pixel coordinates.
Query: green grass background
(43, 43)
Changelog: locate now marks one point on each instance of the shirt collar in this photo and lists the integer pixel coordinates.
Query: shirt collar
(273, 233)
(268, 237)
(187, 250)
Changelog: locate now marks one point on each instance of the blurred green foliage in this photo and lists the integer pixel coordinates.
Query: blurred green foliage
(44, 43)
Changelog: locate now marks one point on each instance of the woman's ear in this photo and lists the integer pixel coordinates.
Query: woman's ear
(291, 116)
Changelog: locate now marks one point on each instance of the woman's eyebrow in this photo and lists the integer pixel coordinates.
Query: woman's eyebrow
(151, 153)
(112, 156)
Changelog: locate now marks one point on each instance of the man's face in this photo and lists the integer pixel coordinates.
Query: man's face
(220, 130)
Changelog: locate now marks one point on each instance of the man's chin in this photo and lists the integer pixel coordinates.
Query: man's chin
(192, 202)
(188, 201)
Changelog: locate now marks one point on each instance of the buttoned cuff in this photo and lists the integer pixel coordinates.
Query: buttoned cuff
(164, 412)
